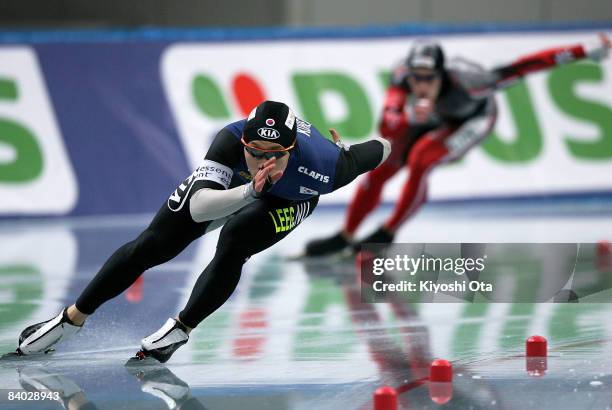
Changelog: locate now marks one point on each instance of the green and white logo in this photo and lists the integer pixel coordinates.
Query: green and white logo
(36, 176)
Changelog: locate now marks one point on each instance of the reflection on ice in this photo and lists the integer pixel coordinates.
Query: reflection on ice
(296, 334)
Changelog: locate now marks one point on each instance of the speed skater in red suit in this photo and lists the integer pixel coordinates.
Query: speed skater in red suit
(434, 112)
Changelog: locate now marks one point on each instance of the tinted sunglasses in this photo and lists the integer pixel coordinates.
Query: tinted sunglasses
(259, 153)
(423, 78)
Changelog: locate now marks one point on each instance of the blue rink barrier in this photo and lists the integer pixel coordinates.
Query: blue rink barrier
(284, 33)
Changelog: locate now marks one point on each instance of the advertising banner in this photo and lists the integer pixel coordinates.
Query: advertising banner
(112, 127)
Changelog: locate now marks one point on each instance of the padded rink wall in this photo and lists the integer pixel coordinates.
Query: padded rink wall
(109, 122)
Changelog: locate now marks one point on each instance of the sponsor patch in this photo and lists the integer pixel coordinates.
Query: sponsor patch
(313, 174)
(209, 171)
(307, 191)
(268, 133)
(285, 219)
(303, 127)
(270, 122)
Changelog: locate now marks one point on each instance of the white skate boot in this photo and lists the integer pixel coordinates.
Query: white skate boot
(40, 338)
(163, 343)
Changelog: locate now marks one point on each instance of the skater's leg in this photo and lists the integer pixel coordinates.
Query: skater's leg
(253, 229)
(167, 235)
(172, 229)
(369, 191)
(443, 145)
(372, 155)
(368, 196)
(428, 151)
(425, 155)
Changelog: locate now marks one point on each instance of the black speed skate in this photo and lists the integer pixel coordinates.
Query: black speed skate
(380, 236)
(159, 347)
(327, 246)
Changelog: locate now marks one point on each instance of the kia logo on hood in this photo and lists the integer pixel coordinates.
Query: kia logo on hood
(268, 133)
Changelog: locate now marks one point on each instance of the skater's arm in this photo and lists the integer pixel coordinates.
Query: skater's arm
(394, 121)
(359, 158)
(211, 199)
(546, 59)
(208, 204)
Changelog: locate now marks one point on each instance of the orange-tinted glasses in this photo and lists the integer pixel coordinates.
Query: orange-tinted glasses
(259, 153)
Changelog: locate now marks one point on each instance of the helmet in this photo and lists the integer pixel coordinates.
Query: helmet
(271, 121)
(426, 54)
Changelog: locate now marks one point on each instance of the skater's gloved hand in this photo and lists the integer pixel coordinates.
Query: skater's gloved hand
(423, 108)
(601, 50)
(336, 138)
(265, 178)
(605, 42)
(394, 123)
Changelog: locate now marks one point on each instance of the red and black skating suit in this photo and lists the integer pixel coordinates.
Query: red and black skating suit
(463, 115)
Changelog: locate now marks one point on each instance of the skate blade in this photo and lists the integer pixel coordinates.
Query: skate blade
(12, 356)
(141, 359)
(16, 356)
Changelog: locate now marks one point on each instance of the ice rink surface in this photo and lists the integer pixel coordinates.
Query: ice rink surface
(295, 334)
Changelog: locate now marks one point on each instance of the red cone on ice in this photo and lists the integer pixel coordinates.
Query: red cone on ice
(440, 371)
(385, 398)
(536, 346)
